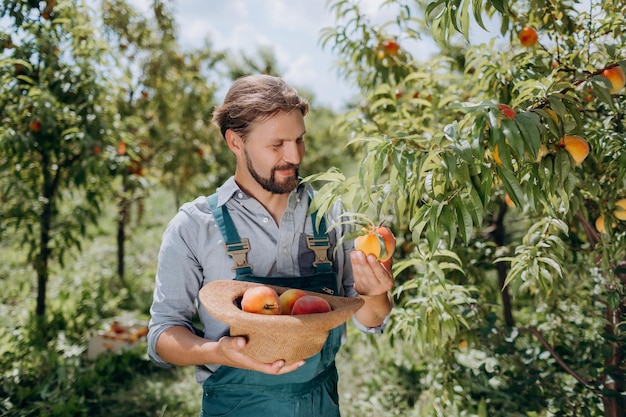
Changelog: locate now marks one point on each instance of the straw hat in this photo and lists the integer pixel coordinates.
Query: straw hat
(274, 337)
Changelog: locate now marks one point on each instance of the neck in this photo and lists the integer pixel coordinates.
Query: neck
(275, 204)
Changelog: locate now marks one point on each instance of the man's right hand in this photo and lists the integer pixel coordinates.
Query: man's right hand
(230, 348)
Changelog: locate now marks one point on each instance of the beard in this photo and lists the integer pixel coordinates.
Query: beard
(270, 184)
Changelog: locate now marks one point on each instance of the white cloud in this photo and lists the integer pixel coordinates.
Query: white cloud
(306, 17)
(303, 71)
(291, 29)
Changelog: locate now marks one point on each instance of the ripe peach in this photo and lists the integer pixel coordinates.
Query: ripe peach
(288, 298)
(617, 78)
(577, 147)
(600, 224)
(35, 126)
(378, 241)
(391, 47)
(620, 209)
(117, 327)
(261, 300)
(310, 304)
(528, 36)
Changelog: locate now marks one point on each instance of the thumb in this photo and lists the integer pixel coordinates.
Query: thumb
(239, 342)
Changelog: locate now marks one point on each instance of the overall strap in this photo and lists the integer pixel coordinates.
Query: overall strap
(319, 243)
(236, 247)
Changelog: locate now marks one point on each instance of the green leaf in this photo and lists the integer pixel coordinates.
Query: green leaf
(477, 6)
(531, 134)
(475, 206)
(447, 219)
(464, 220)
(465, 19)
(511, 185)
(513, 136)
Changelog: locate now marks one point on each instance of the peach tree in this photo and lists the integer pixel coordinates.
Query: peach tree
(499, 160)
(56, 125)
(164, 111)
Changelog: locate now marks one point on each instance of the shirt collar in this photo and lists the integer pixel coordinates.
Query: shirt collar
(230, 189)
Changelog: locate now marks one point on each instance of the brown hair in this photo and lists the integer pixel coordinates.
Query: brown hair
(253, 98)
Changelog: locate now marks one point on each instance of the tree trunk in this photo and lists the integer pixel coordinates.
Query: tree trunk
(498, 234)
(122, 220)
(43, 257)
(41, 267)
(615, 404)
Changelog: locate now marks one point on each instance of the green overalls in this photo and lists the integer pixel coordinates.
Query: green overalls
(310, 391)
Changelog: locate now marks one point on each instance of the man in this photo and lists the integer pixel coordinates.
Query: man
(263, 209)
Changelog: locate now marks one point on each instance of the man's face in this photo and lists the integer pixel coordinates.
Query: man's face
(273, 151)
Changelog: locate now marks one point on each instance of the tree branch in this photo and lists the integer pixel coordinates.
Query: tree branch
(590, 231)
(533, 330)
(578, 82)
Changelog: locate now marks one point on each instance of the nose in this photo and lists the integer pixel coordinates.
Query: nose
(292, 153)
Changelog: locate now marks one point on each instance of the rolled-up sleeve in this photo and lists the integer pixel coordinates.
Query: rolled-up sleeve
(177, 283)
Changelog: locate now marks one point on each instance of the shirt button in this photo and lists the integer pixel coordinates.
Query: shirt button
(240, 195)
(284, 250)
(265, 220)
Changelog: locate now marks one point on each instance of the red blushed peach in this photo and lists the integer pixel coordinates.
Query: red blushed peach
(261, 300)
(378, 241)
(528, 36)
(310, 304)
(288, 298)
(391, 47)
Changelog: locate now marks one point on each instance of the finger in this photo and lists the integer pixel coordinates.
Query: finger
(239, 342)
(279, 367)
(283, 369)
(370, 276)
(232, 343)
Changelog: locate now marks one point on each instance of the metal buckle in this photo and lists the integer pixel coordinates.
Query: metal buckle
(320, 247)
(239, 255)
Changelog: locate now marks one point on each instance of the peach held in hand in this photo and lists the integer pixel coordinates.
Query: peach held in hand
(261, 300)
(378, 241)
(288, 298)
(310, 304)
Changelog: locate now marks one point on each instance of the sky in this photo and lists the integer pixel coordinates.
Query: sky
(291, 28)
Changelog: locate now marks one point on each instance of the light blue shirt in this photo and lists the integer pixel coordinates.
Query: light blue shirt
(192, 254)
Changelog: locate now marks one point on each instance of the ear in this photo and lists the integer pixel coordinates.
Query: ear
(234, 142)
